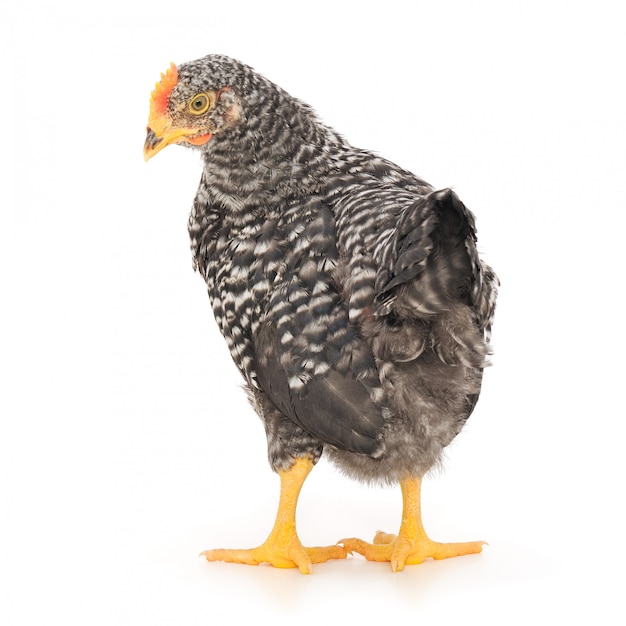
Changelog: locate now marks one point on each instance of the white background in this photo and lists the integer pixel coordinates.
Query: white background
(126, 445)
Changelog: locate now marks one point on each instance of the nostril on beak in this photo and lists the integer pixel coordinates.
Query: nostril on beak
(152, 141)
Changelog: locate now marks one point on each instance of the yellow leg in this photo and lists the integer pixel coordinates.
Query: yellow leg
(282, 548)
(411, 545)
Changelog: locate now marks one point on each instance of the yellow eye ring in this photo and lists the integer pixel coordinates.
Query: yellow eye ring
(201, 103)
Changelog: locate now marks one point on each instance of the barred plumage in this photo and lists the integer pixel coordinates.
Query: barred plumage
(350, 292)
(334, 271)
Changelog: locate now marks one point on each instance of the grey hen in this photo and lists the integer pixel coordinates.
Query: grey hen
(350, 294)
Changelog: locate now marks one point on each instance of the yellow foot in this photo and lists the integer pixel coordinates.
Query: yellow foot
(403, 550)
(285, 555)
(283, 548)
(411, 545)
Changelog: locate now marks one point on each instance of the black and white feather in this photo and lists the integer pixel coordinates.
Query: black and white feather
(350, 292)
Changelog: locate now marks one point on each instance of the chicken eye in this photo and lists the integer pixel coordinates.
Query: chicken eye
(200, 103)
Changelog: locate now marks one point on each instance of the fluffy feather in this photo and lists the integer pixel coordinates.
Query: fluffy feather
(349, 291)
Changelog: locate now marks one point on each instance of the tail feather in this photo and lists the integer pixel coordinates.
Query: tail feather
(430, 263)
(432, 276)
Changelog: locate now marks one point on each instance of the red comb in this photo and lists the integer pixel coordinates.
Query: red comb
(161, 92)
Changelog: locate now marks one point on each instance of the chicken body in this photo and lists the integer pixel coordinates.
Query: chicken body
(350, 292)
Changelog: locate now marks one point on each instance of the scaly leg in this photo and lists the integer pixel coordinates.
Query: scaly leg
(282, 548)
(411, 545)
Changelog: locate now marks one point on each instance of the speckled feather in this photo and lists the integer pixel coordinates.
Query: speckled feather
(350, 292)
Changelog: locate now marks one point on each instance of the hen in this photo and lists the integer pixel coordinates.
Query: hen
(350, 294)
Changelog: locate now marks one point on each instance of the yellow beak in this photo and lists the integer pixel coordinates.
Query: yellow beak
(156, 142)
